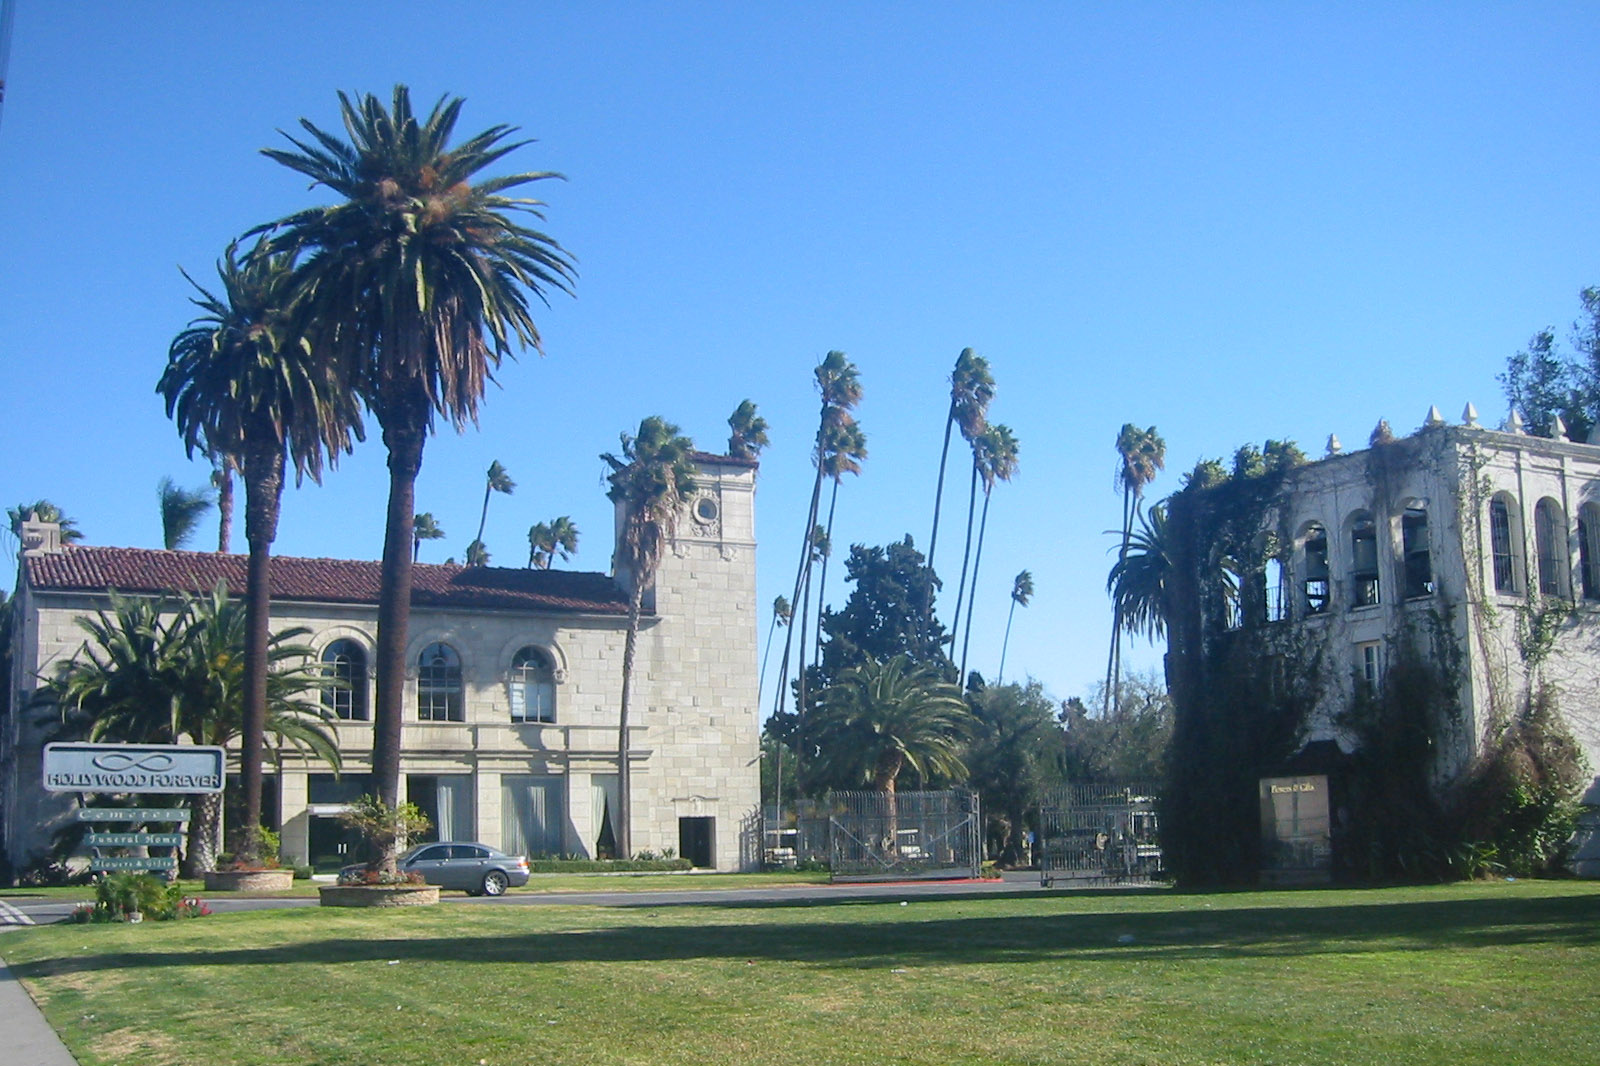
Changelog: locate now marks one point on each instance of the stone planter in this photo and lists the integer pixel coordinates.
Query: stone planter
(379, 895)
(249, 880)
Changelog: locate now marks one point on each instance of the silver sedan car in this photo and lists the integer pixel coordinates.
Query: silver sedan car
(476, 869)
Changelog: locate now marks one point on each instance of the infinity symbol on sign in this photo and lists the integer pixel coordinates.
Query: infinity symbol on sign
(118, 761)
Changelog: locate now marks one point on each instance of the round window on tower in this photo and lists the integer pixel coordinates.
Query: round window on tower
(705, 510)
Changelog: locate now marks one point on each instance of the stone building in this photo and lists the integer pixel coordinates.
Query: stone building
(1474, 551)
(515, 678)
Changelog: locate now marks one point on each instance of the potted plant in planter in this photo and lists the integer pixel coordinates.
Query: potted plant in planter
(264, 874)
(385, 830)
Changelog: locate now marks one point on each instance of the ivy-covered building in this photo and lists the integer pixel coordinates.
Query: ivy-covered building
(512, 696)
(1419, 620)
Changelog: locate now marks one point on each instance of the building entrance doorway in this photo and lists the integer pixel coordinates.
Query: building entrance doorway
(696, 841)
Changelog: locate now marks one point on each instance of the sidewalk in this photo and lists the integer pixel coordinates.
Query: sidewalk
(28, 1037)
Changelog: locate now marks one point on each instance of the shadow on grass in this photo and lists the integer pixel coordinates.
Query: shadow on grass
(872, 941)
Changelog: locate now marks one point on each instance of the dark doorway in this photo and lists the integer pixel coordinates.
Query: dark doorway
(696, 841)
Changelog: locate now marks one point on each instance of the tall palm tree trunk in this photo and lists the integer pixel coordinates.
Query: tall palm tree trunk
(1110, 702)
(200, 852)
(972, 600)
(966, 556)
(624, 827)
(404, 442)
(772, 629)
(800, 654)
(938, 494)
(223, 477)
(263, 490)
(999, 675)
(799, 582)
(822, 580)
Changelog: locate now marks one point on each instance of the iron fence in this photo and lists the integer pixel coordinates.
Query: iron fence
(1100, 834)
(880, 836)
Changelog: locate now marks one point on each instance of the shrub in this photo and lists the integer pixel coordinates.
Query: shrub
(119, 896)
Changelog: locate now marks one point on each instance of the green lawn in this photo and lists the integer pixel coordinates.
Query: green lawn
(1502, 974)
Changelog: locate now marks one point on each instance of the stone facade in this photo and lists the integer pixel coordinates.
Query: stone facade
(517, 673)
(1478, 545)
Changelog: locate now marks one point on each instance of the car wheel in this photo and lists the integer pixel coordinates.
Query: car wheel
(495, 883)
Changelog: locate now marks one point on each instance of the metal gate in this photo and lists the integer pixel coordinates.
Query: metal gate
(905, 835)
(1100, 834)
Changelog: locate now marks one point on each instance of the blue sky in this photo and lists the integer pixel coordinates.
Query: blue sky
(1234, 222)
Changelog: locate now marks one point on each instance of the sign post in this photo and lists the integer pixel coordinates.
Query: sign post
(183, 769)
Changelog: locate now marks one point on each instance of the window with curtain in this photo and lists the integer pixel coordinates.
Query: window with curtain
(532, 814)
(533, 686)
(603, 814)
(439, 689)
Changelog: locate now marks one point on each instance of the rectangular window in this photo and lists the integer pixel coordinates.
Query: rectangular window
(1370, 667)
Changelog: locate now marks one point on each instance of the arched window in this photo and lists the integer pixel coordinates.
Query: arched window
(439, 694)
(1364, 589)
(1418, 555)
(345, 661)
(1315, 570)
(1505, 544)
(1589, 550)
(533, 687)
(1550, 538)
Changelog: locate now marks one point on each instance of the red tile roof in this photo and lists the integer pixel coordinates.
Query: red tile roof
(140, 570)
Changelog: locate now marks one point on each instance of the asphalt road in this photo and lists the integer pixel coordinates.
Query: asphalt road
(24, 910)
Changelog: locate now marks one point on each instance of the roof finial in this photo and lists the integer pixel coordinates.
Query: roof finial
(1514, 422)
(1381, 433)
(1334, 447)
(1558, 428)
(1434, 419)
(1469, 416)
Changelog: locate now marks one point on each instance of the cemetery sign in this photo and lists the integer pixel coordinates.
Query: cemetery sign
(169, 768)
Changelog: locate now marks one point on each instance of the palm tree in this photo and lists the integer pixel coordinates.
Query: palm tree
(1138, 579)
(546, 540)
(180, 512)
(839, 384)
(749, 434)
(139, 679)
(971, 391)
(496, 480)
(43, 511)
(1021, 594)
(782, 612)
(1142, 454)
(418, 282)
(240, 382)
(222, 480)
(881, 717)
(997, 461)
(846, 450)
(424, 527)
(653, 479)
(477, 554)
